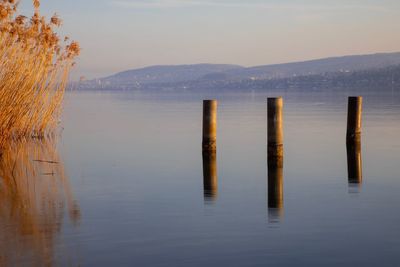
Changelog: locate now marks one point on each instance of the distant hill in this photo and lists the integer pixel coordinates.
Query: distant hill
(163, 74)
(387, 78)
(205, 75)
(312, 67)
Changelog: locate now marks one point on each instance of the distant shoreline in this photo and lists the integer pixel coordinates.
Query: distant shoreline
(364, 71)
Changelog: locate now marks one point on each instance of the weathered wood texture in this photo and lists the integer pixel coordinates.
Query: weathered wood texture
(210, 124)
(275, 131)
(354, 119)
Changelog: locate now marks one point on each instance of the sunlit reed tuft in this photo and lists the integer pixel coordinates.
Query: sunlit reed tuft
(34, 68)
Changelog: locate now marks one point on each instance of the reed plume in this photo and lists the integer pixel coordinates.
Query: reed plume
(34, 67)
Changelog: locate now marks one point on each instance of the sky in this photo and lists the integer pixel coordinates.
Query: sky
(117, 35)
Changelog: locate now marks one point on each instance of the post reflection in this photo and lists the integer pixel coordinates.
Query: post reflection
(210, 175)
(354, 162)
(34, 192)
(275, 185)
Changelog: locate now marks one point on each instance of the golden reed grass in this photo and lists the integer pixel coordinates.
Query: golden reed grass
(34, 193)
(34, 68)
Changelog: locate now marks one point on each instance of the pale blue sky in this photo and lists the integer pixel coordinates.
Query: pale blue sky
(117, 35)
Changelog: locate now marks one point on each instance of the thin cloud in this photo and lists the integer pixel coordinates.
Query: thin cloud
(148, 4)
(182, 3)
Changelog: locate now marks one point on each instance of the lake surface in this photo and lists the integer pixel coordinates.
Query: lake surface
(123, 185)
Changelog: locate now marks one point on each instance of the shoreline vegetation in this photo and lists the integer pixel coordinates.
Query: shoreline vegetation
(34, 68)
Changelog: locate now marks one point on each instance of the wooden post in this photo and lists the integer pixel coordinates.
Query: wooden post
(354, 162)
(354, 119)
(275, 131)
(210, 125)
(210, 175)
(275, 158)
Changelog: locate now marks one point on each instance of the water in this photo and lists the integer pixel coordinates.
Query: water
(126, 185)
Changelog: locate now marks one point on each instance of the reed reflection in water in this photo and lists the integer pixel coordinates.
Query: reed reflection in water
(210, 175)
(34, 192)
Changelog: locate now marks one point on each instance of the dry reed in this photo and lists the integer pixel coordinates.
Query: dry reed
(34, 68)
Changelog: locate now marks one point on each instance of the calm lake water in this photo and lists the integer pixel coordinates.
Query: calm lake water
(123, 186)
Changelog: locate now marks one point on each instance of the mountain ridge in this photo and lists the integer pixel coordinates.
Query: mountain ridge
(229, 73)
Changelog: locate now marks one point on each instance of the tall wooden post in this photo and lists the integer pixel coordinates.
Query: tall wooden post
(210, 175)
(353, 140)
(275, 131)
(354, 119)
(275, 158)
(210, 125)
